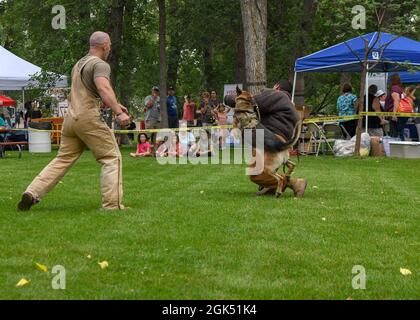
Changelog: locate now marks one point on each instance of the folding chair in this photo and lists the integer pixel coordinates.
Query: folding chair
(333, 131)
(345, 133)
(318, 138)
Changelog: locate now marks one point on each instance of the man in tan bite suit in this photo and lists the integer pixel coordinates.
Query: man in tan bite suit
(84, 128)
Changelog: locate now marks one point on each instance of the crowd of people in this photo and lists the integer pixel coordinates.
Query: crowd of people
(177, 145)
(186, 142)
(397, 100)
(207, 113)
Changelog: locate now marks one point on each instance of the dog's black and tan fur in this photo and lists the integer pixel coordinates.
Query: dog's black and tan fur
(275, 151)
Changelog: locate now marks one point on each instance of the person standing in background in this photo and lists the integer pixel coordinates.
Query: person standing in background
(206, 112)
(172, 106)
(392, 102)
(346, 106)
(189, 111)
(214, 101)
(153, 117)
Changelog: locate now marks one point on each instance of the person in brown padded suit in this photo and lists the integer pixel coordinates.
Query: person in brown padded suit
(84, 128)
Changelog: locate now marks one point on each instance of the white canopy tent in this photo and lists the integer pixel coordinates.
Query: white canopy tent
(16, 73)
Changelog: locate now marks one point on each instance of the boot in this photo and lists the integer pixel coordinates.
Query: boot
(27, 202)
(298, 186)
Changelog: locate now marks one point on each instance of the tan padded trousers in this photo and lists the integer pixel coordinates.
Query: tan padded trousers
(77, 135)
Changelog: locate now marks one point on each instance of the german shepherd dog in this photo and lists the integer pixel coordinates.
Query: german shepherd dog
(274, 152)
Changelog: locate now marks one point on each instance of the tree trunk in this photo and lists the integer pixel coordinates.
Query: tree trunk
(125, 81)
(175, 45)
(116, 31)
(362, 94)
(162, 61)
(240, 74)
(309, 10)
(208, 53)
(254, 18)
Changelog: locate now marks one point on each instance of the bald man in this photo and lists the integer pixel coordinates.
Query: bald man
(84, 128)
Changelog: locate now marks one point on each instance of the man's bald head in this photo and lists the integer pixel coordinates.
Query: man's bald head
(100, 44)
(98, 39)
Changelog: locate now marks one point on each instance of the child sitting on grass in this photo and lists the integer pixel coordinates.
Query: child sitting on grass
(175, 150)
(204, 147)
(144, 149)
(161, 148)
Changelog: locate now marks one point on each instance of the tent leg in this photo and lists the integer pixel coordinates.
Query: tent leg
(367, 99)
(23, 103)
(294, 87)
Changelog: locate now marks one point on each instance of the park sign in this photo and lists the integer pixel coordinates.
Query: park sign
(230, 89)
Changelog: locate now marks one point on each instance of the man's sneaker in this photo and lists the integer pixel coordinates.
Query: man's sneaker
(27, 202)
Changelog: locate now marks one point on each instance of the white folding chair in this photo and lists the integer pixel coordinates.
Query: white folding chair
(318, 138)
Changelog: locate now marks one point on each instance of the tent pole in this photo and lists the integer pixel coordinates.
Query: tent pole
(294, 87)
(367, 98)
(23, 103)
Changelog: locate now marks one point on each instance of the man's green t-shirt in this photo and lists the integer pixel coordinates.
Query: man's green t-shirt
(94, 69)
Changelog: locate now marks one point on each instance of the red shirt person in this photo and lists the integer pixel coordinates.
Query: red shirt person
(189, 109)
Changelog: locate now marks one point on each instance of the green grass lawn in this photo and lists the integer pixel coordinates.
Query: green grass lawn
(198, 232)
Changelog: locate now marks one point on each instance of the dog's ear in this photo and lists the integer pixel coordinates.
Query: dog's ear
(238, 91)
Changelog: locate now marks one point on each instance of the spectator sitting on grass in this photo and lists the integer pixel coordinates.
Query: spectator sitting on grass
(161, 148)
(175, 149)
(186, 138)
(144, 149)
(204, 147)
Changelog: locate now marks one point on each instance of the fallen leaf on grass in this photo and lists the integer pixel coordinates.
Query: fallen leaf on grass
(23, 282)
(103, 264)
(41, 267)
(405, 272)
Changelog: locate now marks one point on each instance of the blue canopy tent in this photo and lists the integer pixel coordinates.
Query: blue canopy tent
(410, 77)
(389, 53)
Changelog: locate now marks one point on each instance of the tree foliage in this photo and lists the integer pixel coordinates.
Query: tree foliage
(204, 39)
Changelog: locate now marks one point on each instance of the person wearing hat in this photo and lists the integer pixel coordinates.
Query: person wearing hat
(284, 86)
(376, 98)
(172, 106)
(153, 117)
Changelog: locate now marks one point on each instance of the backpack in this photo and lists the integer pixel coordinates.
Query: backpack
(406, 105)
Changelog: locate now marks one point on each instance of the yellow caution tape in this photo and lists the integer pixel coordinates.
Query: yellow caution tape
(391, 114)
(331, 118)
(308, 120)
(138, 131)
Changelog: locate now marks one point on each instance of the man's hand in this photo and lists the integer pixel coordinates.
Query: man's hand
(124, 119)
(124, 109)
